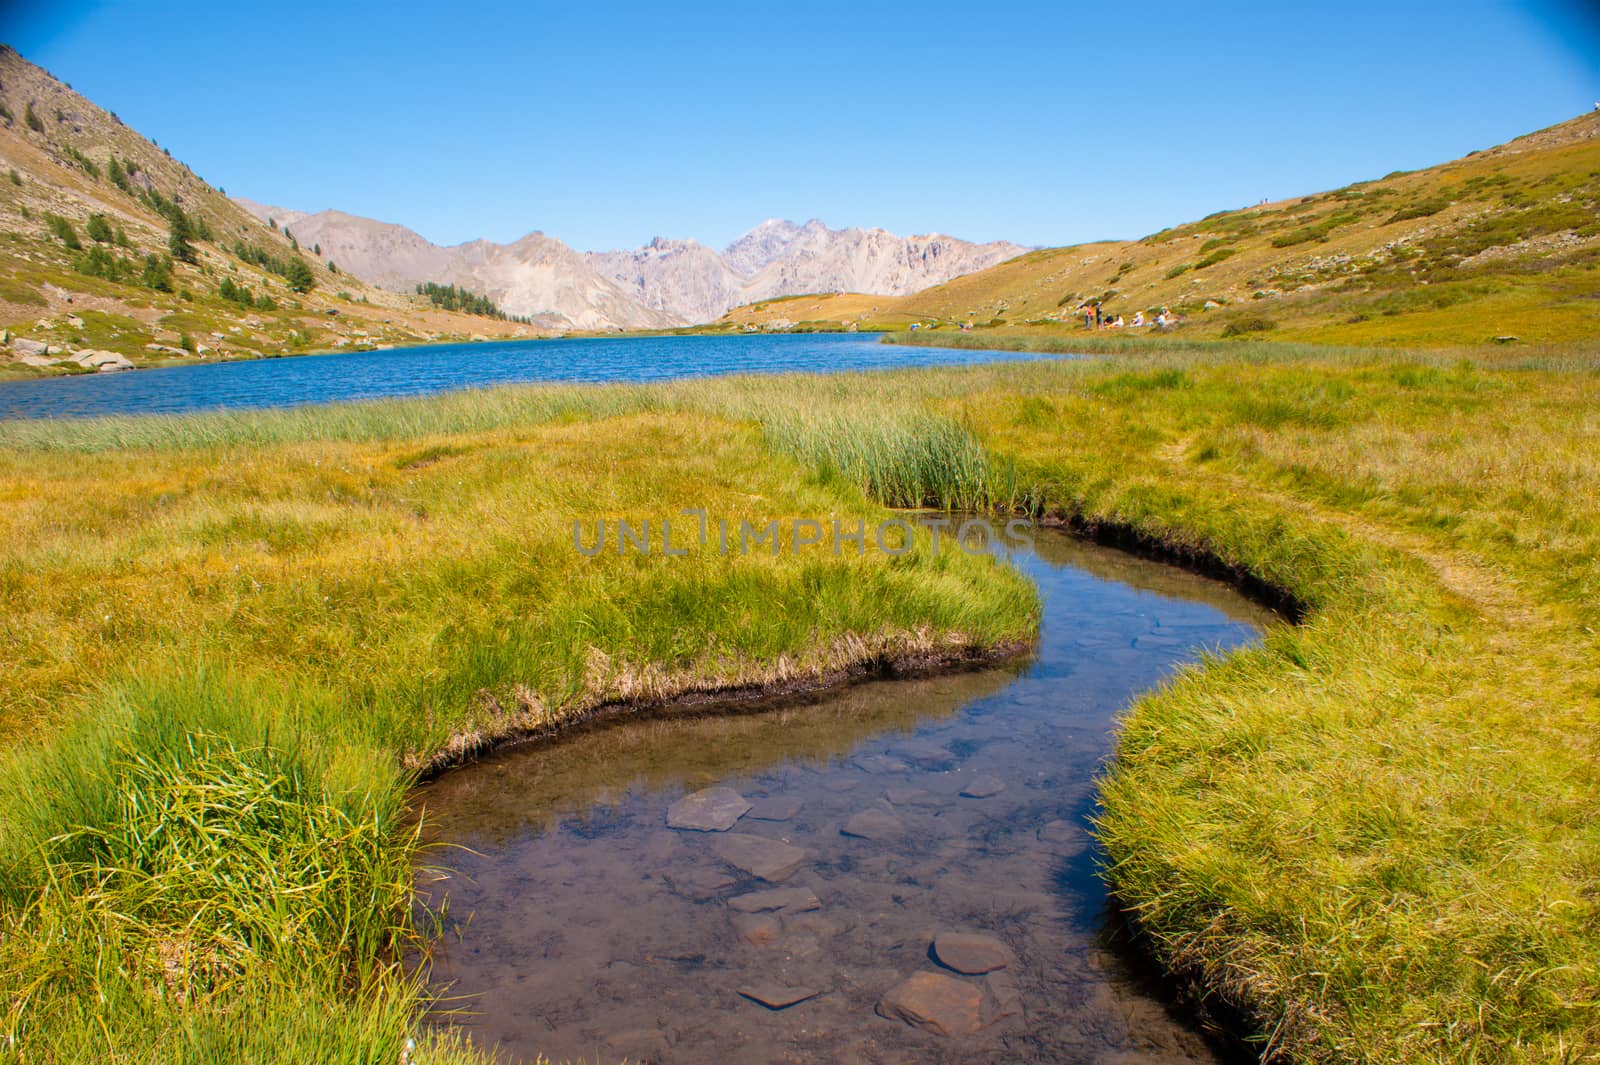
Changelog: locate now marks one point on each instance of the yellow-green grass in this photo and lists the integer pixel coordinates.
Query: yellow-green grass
(229, 644)
(1375, 836)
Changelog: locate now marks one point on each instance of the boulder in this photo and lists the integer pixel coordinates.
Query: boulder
(935, 1003)
(707, 810)
(104, 361)
(23, 346)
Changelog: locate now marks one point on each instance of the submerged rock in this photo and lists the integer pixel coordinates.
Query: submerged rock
(776, 996)
(911, 797)
(1001, 997)
(968, 953)
(776, 808)
(874, 825)
(1064, 837)
(925, 755)
(707, 810)
(699, 883)
(935, 1003)
(983, 787)
(757, 929)
(759, 856)
(776, 900)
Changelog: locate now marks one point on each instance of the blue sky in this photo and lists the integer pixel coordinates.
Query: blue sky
(607, 124)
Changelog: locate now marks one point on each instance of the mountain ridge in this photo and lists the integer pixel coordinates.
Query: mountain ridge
(668, 282)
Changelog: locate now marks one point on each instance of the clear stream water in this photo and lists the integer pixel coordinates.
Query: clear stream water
(441, 367)
(586, 928)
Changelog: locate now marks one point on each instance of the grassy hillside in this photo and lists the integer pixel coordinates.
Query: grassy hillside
(1502, 243)
(64, 161)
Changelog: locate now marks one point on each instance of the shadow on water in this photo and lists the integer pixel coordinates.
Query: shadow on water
(894, 810)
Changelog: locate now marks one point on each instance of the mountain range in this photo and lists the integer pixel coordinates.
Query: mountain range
(666, 283)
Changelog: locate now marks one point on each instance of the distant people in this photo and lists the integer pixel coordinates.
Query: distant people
(1138, 318)
(1118, 323)
(1088, 317)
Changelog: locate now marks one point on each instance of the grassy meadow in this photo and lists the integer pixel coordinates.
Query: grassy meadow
(231, 640)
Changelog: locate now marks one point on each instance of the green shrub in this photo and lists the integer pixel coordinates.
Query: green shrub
(99, 229)
(1216, 257)
(63, 231)
(1252, 324)
(1417, 210)
(1179, 270)
(34, 122)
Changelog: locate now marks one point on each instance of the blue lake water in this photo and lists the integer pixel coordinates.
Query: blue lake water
(416, 371)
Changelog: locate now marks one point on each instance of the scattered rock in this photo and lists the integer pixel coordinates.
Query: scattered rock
(935, 1003)
(757, 929)
(777, 996)
(880, 763)
(874, 825)
(776, 900)
(74, 321)
(983, 787)
(708, 810)
(968, 953)
(23, 346)
(776, 808)
(767, 859)
(37, 360)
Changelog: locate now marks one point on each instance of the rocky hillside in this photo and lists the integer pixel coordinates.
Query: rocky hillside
(1501, 245)
(115, 255)
(666, 283)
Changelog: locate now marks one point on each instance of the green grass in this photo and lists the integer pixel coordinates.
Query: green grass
(1375, 836)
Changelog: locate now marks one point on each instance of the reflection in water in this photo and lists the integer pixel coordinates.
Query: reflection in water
(591, 930)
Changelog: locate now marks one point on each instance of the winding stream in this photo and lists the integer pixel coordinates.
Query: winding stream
(881, 819)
